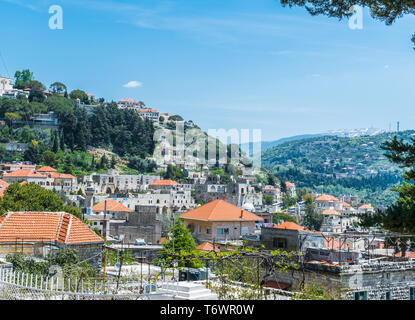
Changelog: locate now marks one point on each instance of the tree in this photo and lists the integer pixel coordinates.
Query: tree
(384, 10)
(34, 152)
(36, 91)
(32, 197)
(50, 158)
(280, 217)
(22, 79)
(58, 88)
(399, 217)
(268, 199)
(79, 94)
(183, 239)
(312, 219)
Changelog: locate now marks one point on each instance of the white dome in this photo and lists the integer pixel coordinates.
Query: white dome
(248, 206)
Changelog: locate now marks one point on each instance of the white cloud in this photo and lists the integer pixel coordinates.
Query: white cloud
(133, 84)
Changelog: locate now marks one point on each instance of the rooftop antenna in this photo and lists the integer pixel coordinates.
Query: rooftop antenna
(397, 127)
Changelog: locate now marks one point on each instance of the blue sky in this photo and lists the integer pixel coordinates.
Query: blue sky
(221, 63)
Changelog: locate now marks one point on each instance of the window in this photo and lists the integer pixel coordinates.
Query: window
(362, 295)
(207, 230)
(412, 293)
(222, 231)
(280, 243)
(388, 295)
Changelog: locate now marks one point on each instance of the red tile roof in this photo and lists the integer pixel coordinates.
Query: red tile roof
(326, 197)
(24, 173)
(290, 226)
(366, 206)
(60, 227)
(220, 210)
(46, 169)
(331, 212)
(56, 175)
(112, 206)
(149, 110)
(207, 247)
(164, 183)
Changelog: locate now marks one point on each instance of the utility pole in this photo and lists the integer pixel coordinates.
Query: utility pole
(104, 226)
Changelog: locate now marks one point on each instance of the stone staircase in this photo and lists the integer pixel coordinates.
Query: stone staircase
(184, 290)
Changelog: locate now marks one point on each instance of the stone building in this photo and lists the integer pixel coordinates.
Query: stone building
(290, 237)
(113, 182)
(143, 223)
(375, 279)
(40, 233)
(220, 221)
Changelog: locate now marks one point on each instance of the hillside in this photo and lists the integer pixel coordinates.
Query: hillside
(337, 165)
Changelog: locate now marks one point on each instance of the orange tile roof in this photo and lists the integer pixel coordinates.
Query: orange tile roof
(366, 206)
(326, 197)
(46, 169)
(208, 247)
(149, 110)
(290, 226)
(345, 204)
(220, 210)
(20, 165)
(56, 175)
(289, 184)
(164, 183)
(3, 187)
(24, 173)
(59, 227)
(112, 206)
(331, 212)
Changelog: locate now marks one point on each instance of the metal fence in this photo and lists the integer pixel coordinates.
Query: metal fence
(16, 285)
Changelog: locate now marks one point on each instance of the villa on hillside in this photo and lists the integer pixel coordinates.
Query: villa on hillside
(218, 221)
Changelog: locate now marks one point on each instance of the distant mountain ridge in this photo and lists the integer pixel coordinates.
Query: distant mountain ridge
(338, 165)
(346, 133)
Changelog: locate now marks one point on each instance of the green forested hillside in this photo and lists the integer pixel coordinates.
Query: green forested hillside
(339, 165)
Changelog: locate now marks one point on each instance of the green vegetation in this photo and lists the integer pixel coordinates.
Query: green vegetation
(383, 10)
(281, 217)
(32, 197)
(66, 259)
(399, 217)
(312, 219)
(336, 165)
(105, 126)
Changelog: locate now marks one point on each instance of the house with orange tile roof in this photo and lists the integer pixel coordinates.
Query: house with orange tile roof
(106, 210)
(13, 167)
(150, 114)
(28, 175)
(366, 208)
(291, 189)
(164, 185)
(40, 233)
(220, 221)
(327, 201)
(46, 169)
(290, 236)
(47, 177)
